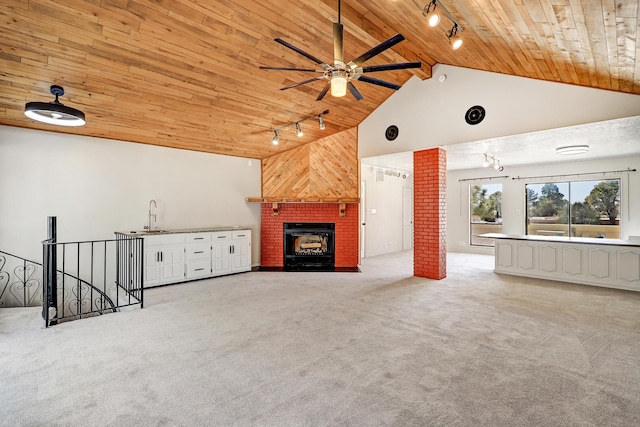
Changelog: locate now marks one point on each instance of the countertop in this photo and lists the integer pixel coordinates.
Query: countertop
(562, 239)
(142, 233)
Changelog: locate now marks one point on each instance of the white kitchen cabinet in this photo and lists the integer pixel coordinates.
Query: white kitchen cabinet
(241, 251)
(221, 243)
(172, 257)
(163, 265)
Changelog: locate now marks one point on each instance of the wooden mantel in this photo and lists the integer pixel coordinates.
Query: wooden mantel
(274, 201)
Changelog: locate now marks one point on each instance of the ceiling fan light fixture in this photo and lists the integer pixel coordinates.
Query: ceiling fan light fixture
(338, 85)
(54, 112)
(572, 149)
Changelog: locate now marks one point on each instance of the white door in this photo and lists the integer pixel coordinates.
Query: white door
(407, 218)
(151, 267)
(172, 264)
(240, 256)
(363, 216)
(221, 262)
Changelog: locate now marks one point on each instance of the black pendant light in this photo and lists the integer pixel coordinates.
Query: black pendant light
(54, 112)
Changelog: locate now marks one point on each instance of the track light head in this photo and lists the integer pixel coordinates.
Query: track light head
(430, 9)
(321, 122)
(485, 164)
(276, 138)
(454, 38)
(299, 130)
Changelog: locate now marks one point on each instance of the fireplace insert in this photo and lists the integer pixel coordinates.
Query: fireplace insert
(309, 246)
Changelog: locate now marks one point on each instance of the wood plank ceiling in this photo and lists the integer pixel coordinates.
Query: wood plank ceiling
(185, 73)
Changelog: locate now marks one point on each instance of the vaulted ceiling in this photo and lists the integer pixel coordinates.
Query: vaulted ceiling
(185, 73)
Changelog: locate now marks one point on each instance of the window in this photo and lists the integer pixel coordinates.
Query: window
(574, 209)
(486, 212)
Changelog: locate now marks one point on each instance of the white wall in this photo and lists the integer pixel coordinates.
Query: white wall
(384, 227)
(431, 113)
(97, 186)
(513, 195)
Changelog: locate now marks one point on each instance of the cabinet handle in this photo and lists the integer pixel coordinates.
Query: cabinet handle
(222, 237)
(198, 269)
(199, 252)
(198, 238)
(241, 235)
(161, 256)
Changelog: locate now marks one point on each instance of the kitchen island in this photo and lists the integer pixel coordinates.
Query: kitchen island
(610, 263)
(180, 255)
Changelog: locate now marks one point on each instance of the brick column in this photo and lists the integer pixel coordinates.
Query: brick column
(430, 213)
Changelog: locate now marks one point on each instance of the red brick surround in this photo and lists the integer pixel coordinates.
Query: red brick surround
(430, 213)
(273, 230)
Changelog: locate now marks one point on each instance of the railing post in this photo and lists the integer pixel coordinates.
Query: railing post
(50, 263)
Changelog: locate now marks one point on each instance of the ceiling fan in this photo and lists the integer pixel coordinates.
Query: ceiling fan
(340, 74)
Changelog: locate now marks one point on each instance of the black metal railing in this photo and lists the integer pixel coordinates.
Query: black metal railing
(20, 282)
(90, 278)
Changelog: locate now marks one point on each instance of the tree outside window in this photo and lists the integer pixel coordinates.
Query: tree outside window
(576, 209)
(486, 212)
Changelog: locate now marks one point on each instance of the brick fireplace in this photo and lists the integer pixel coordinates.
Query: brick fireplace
(346, 230)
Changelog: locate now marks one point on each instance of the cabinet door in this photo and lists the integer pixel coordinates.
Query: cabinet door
(151, 266)
(172, 259)
(221, 258)
(241, 258)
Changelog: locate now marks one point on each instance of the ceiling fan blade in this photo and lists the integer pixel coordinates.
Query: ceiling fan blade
(356, 94)
(323, 92)
(302, 83)
(378, 49)
(300, 51)
(338, 42)
(378, 82)
(306, 70)
(387, 67)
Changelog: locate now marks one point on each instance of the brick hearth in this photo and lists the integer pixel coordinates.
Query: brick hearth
(273, 233)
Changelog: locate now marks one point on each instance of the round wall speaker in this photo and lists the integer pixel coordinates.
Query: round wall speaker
(391, 133)
(474, 115)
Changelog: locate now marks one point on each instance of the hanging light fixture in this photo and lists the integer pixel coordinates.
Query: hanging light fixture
(54, 112)
(430, 9)
(276, 138)
(454, 38)
(321, 121)
(339, 84)
(299, 130)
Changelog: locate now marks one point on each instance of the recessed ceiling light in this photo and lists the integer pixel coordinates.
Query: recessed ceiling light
(572, 149)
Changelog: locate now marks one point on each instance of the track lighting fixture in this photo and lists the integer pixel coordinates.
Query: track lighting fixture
(298, 126)
(495, 163)
(54, 112)
(430, 9)
(433, 16)
(454, 38)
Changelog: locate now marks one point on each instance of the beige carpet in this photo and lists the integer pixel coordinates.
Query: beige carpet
(346, 349)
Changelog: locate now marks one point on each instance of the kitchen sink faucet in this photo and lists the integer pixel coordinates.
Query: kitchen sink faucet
(153, 213)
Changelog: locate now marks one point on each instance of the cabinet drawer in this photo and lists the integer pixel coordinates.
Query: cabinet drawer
(198, 269)
(198, 237)
(221, 236)
(198, 251)
(244, 234)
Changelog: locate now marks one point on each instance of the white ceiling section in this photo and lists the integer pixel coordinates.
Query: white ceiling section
(610, 138)
(526, 120)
